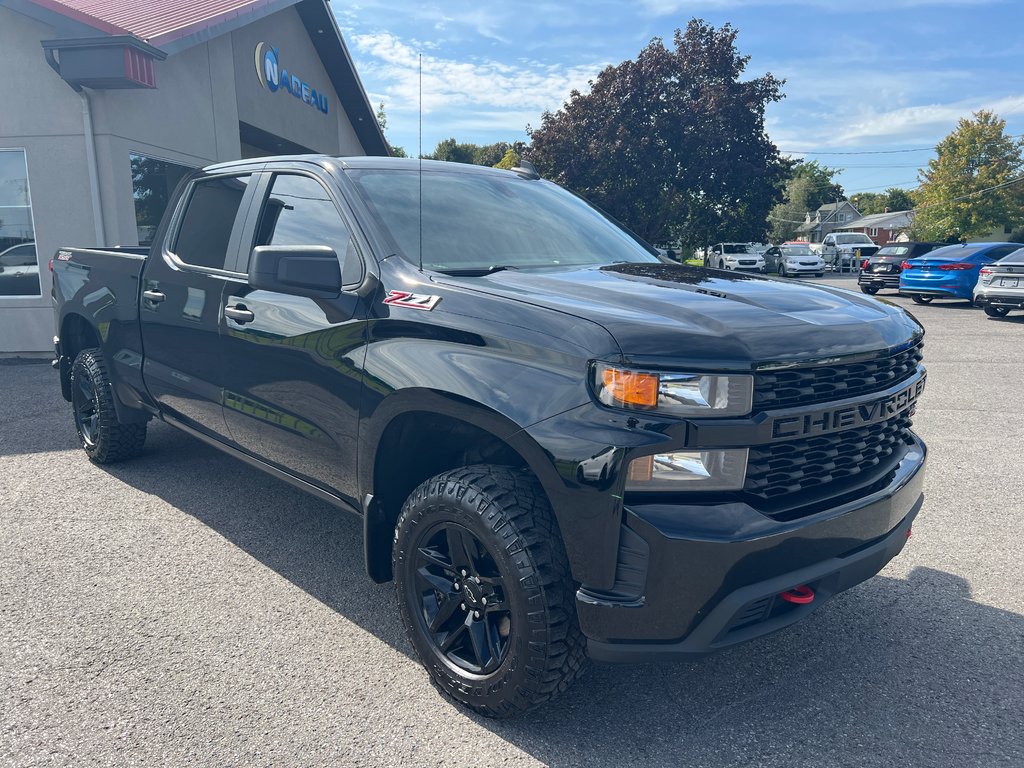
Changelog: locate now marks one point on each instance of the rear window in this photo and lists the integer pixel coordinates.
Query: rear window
(206, 227)
(953, 252)
(893, 250)
(1017, 257)
(851, 239)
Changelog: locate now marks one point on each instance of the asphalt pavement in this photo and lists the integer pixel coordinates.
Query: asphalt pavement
(185, 609)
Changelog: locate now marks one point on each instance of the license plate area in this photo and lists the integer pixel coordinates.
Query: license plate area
(1008, 282)
(881, 268)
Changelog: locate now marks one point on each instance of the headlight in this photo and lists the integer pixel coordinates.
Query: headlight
(679, 394)
(718, 470)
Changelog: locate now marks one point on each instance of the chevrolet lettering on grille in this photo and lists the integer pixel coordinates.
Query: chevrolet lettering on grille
(849, 416)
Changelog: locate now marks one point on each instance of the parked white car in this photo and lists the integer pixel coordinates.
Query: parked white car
(790, 260)
(734, 256)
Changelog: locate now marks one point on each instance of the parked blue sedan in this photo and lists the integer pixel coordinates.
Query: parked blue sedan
(950, 272)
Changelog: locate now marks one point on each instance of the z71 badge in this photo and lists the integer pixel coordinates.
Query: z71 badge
(412, 300)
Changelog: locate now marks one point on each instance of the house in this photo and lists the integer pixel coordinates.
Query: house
(827, 218)
(882, 228)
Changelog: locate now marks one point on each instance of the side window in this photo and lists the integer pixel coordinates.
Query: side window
(298, 211)
(206, 227)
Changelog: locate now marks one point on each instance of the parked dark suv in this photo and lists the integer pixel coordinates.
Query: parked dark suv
(882, 269)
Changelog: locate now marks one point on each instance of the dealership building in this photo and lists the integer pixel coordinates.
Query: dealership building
(108, 103)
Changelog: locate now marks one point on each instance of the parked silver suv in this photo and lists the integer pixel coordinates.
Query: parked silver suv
(1000, 286)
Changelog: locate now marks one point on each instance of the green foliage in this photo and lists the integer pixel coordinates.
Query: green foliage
(382, 121)
(809, 186)
(976, 156)
(894, 198)
(453, 151)
(822, 188)
(671, 144)
(509, 161)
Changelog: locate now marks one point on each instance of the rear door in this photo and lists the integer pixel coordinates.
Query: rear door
(183, 282)
(292, 365)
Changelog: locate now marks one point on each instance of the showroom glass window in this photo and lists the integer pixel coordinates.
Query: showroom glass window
(19, 262)
(153, 182)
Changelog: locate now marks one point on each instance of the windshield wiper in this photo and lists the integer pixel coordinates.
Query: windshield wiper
(477, 271)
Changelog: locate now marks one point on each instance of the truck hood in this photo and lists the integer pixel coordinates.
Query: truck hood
(662, 312)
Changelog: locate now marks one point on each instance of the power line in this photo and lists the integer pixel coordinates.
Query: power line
(875, 151)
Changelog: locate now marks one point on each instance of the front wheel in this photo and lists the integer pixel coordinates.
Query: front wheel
(721, 265)
(919, 299)
(103, 436)
(782, 270)
(485, 591)
(997, 311)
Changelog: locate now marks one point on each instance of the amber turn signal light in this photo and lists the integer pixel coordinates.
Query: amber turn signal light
(631, 387)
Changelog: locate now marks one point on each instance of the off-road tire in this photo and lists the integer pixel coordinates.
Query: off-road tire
(507, 513)
(997, 311)
(104, 438)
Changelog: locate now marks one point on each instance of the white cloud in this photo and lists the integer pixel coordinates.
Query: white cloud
(484, 91)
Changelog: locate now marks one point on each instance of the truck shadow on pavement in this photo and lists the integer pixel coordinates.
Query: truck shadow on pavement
(895, 672)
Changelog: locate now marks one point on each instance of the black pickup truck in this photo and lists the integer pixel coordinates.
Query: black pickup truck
(559, 445)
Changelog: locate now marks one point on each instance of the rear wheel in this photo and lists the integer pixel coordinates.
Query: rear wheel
(485, 591)
(869, 289)
(919, 299)
(104, 437)
(997, 311)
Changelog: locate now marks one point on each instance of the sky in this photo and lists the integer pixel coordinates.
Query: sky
(862, 76)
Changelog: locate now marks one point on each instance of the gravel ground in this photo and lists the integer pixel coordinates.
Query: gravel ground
(184, 609)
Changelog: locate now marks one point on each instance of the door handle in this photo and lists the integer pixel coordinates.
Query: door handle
(239, 313)
(154, 296)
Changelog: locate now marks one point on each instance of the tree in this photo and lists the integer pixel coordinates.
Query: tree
(382, 121)
(809, 185)
(509, 161)
(967, 189)
(671, 144)
(894, 198)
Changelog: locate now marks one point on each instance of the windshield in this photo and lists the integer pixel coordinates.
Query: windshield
(850, 239)
(478, 221)
(735, 248)
(894, 250)
(797, 250)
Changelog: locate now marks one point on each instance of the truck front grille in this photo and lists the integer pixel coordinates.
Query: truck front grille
(822, 384)
(795, 466)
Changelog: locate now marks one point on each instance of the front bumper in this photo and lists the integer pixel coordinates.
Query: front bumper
(713, 573)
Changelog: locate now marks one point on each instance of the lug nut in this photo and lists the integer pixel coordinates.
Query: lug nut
(483, 601)
(463, 606)
(457, 586)
(476, 614)
(463, 571)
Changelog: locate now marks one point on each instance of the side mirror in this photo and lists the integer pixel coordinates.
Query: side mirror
(298, 270)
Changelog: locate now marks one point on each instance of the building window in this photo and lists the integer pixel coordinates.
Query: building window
(873, 231)
(153, 181)
(19, 263)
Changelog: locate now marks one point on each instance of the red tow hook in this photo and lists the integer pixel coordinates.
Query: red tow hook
(800, 595)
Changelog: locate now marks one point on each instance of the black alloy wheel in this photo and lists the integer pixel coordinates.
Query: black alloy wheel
(997, 311)
(485, 591)
(104, 437)
(919, 299)
(462, 598)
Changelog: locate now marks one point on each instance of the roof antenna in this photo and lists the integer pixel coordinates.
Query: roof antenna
(421, 162)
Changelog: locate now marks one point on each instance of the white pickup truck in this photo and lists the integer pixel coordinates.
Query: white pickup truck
(846, 250)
